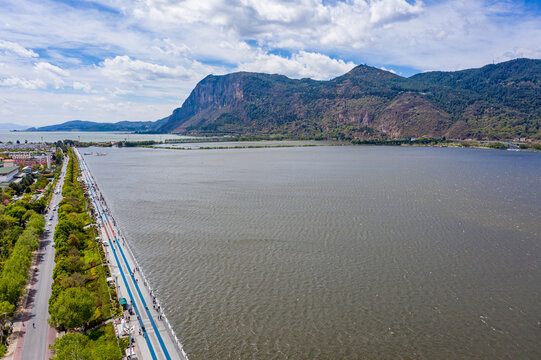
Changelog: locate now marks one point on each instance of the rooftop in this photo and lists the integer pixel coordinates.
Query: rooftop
(8, 170)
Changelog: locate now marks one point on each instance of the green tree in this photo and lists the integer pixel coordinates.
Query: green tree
(6, 307)
(72, 308)
(16, 211)
(36, 223)
(10, 288)
(9, 191)
(72, 346)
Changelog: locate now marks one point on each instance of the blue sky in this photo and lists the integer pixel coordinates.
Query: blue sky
(113, 60)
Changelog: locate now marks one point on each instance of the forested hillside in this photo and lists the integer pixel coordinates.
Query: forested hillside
(495, 102)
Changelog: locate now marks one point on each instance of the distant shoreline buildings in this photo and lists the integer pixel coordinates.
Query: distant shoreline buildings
(18, 161)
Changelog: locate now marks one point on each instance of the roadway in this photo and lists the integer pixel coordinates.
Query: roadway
(35, 334)
(154, 337)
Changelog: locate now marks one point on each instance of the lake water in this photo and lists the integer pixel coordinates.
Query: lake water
(352, 252)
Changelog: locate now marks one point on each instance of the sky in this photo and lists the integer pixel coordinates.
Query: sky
(137, 60)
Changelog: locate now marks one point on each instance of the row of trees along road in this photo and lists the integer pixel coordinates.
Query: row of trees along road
(21, 224)
(20, 228)
(81, 298)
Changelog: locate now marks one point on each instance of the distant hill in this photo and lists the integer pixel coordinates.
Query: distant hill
(11, 126)
(495, 101)
(79, 125)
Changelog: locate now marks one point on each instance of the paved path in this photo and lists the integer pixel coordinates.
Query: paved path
(34, 335)
(154, 337)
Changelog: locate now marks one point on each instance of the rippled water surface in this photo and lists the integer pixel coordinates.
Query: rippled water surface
(337, 252)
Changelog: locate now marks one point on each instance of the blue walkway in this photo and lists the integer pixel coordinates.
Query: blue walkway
(98, 205)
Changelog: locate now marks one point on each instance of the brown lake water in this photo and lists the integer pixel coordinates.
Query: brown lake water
(352, 252)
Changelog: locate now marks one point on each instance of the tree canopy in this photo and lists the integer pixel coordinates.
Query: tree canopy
(72, 308)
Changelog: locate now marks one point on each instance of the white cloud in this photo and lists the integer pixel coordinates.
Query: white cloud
(125, 70)
(385, 11)
(168, 47)
(17, 49)
(24, 83)
(301, 65)
(50, 69)
(453, 35)
(52, 73)
(81, 86)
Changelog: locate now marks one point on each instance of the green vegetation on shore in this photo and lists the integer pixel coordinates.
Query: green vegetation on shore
(21, 224)
(20, 228)
(81, 298)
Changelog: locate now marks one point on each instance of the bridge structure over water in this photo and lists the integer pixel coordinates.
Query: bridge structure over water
(153, 335)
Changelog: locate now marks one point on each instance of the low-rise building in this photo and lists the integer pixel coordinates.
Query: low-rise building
(7, 173)
(20, 155)
(10, 163)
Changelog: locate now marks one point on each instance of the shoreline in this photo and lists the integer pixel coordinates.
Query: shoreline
(152, 323)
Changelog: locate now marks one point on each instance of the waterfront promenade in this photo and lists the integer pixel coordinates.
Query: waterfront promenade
(154, 337)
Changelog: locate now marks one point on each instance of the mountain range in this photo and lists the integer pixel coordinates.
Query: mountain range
(79, 125)
(497, 101)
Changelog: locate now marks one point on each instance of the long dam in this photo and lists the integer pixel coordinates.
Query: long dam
(147, 324)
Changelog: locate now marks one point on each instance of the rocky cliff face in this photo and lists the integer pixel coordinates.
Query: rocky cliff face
(496, 101)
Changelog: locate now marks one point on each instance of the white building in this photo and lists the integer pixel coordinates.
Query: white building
(7, 173)
(20, 155)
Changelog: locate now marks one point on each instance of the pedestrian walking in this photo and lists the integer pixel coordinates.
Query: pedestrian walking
(34, 325)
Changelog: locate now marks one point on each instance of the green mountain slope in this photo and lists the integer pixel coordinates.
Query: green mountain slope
(495, 101)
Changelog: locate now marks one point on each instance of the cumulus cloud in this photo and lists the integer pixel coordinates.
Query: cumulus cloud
(308, 22)
(126, 70)
(385, 11)
(17, 49)
(52, 73)
(301, 65)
